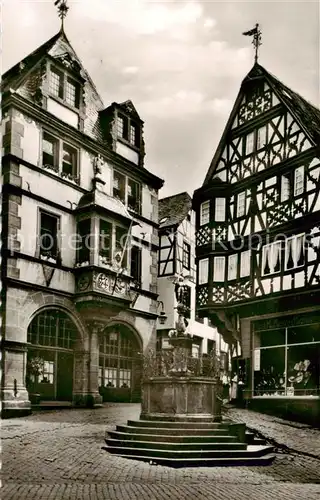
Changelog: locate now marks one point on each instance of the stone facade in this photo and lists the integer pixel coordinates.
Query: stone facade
(41, 293)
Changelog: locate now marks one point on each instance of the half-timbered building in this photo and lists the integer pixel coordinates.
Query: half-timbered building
(258, 244)
(176, 265)
(79, 234)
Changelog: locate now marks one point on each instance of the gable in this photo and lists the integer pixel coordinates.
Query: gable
(264, 128)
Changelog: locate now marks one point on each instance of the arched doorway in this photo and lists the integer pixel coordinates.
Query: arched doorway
(51, 338)
(119, 364)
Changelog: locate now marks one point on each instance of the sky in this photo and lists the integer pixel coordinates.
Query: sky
(180, 62)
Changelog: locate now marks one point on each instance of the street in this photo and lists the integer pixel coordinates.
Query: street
(58, 455)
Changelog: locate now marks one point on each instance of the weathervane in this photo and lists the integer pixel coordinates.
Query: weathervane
(62, 10)
(256, 33)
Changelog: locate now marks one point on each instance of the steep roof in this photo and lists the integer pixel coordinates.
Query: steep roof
(307, 115)
(174, 209)
(16, 75)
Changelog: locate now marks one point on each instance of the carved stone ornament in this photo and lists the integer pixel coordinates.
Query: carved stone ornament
(110, 284)
(69, 62)
(97, 162)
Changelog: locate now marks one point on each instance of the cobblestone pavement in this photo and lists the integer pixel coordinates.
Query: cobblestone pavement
(293, 435)
(58, 455)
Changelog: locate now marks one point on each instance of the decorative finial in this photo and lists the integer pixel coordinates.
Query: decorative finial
(62, 10)
(256, 33)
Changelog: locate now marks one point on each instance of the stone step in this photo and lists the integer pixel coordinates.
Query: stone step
(177, 425)
(204, 462)
(155, 453)
(174, 431)
(174, 438)
(172, 447)
(180, 418)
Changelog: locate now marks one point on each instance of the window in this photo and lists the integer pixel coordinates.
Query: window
(105, 240)
(286, 360)
(292, 183)
(127, 190)
(136, 264)
(195, 351)
(48, 241)
(271, 258)
(249, 143)
(121, 251)
(186, 255)
(245, 263)
(128, 130)
(83, 247)
(59, 156)
(241, 204)
(220, 209)
(204, 213)
(285, 187)
(50, 150)
(64, 87)
(203, 271)
(69, 160)
(295, 252)
(298, 187)
(232, 267)
(219, 268)
(261, 137)
(47, 375)
(117, 355)
(134, 195)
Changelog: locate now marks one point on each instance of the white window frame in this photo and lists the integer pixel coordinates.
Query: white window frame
(241, 204)
(298, 182)
(220, 210)
(66, 78)
(205, 213)
(126, 190)
(249, 143)
(287, 242)
(261, 137)
(232, 266)
(219, 268)
(58, 156)
(272, 246)
(203, 271)
(245, 263)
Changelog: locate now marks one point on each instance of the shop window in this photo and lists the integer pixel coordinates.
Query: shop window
(287, 361)
(186, 255)
(203, 271)
(48, 237)
(204, 213)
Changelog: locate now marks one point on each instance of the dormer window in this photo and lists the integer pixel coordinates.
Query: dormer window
(63, 87)
(128, 130)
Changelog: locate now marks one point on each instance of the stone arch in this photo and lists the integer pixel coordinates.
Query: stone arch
(130, 326)
(120, 361)
(58, 339)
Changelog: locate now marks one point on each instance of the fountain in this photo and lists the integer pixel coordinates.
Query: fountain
(181, 421)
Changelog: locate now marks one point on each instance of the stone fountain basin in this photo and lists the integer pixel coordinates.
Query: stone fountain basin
(181, 396)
